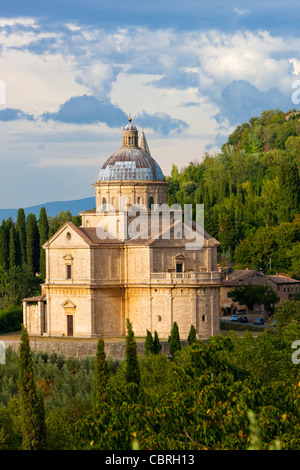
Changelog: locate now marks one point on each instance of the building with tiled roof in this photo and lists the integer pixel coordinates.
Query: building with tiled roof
(234, 279)
(285, 287)
(127, 260)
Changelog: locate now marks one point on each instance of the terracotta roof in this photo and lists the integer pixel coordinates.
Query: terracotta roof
(278, 279)
(242, 277)
(80, 233)
(91, 234)
(35, 299)
(88, 234)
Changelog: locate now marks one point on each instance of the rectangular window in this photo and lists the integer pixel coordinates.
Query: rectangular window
(179, 267)
(69, 271)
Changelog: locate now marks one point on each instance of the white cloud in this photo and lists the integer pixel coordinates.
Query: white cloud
(241, 11)
(35, 83)
(140, 70)
(18, 21)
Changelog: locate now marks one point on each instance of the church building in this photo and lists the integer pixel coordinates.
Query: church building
(126, 261)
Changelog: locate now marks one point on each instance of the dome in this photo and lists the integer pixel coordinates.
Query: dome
(130, 164)
(130, 127)
(132, 161)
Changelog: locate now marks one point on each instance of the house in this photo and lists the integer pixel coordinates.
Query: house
(285, 287)
(232, 280)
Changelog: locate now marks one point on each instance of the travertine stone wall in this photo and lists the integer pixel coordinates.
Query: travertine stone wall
(82, 349)
(158, 307)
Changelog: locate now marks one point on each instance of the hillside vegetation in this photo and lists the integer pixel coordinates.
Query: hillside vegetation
(227, 393)
(251, 193)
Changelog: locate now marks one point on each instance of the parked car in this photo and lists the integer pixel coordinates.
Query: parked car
(234, 318)
(243, 320)
(241, 311)
(259, 321)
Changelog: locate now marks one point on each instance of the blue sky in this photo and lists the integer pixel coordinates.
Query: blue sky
(188, 72)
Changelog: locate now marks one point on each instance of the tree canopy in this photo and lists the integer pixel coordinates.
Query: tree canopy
(251, 193)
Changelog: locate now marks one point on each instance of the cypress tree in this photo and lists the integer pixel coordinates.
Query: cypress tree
(21, 235)
(32, 408)
(174, 340)
(13, 249)
(192, 335)
(32, 244)
(149, 343)
(43, 227)
(4, 258)
(132, 371)
(156, 344)
(100, 375)
(289, 190)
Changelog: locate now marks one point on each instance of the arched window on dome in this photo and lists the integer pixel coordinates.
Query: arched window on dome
(103, 203)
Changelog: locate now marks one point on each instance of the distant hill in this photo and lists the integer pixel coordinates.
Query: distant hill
(52, 208)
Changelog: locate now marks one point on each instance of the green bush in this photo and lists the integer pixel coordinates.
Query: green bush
(11, 319)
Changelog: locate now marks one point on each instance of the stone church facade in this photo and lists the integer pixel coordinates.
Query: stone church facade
(124, 261)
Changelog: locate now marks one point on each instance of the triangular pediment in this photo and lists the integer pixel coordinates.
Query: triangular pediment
(68, 236)
(180, 256)
(68, 304)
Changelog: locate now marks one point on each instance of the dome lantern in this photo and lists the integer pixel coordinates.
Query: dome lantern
(131, 162)
(130, 135)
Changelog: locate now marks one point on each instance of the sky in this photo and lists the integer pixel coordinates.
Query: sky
(188, 73)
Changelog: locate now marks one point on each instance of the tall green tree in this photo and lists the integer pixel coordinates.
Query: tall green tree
(32, 244)
(132, 371)
(156, 343)
(4, 257)
(174, 340)
(43, 227)
(21, 233)
(59, 220)
(100, 375)
(15, 284)
(289, 190)
(250, 295)
(13, 248)
(32, 409)
(192, 335)
(149, 343)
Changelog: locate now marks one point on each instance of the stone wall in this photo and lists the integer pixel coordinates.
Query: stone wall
(81, 349)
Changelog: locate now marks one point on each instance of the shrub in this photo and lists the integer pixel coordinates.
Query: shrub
(11, 319)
